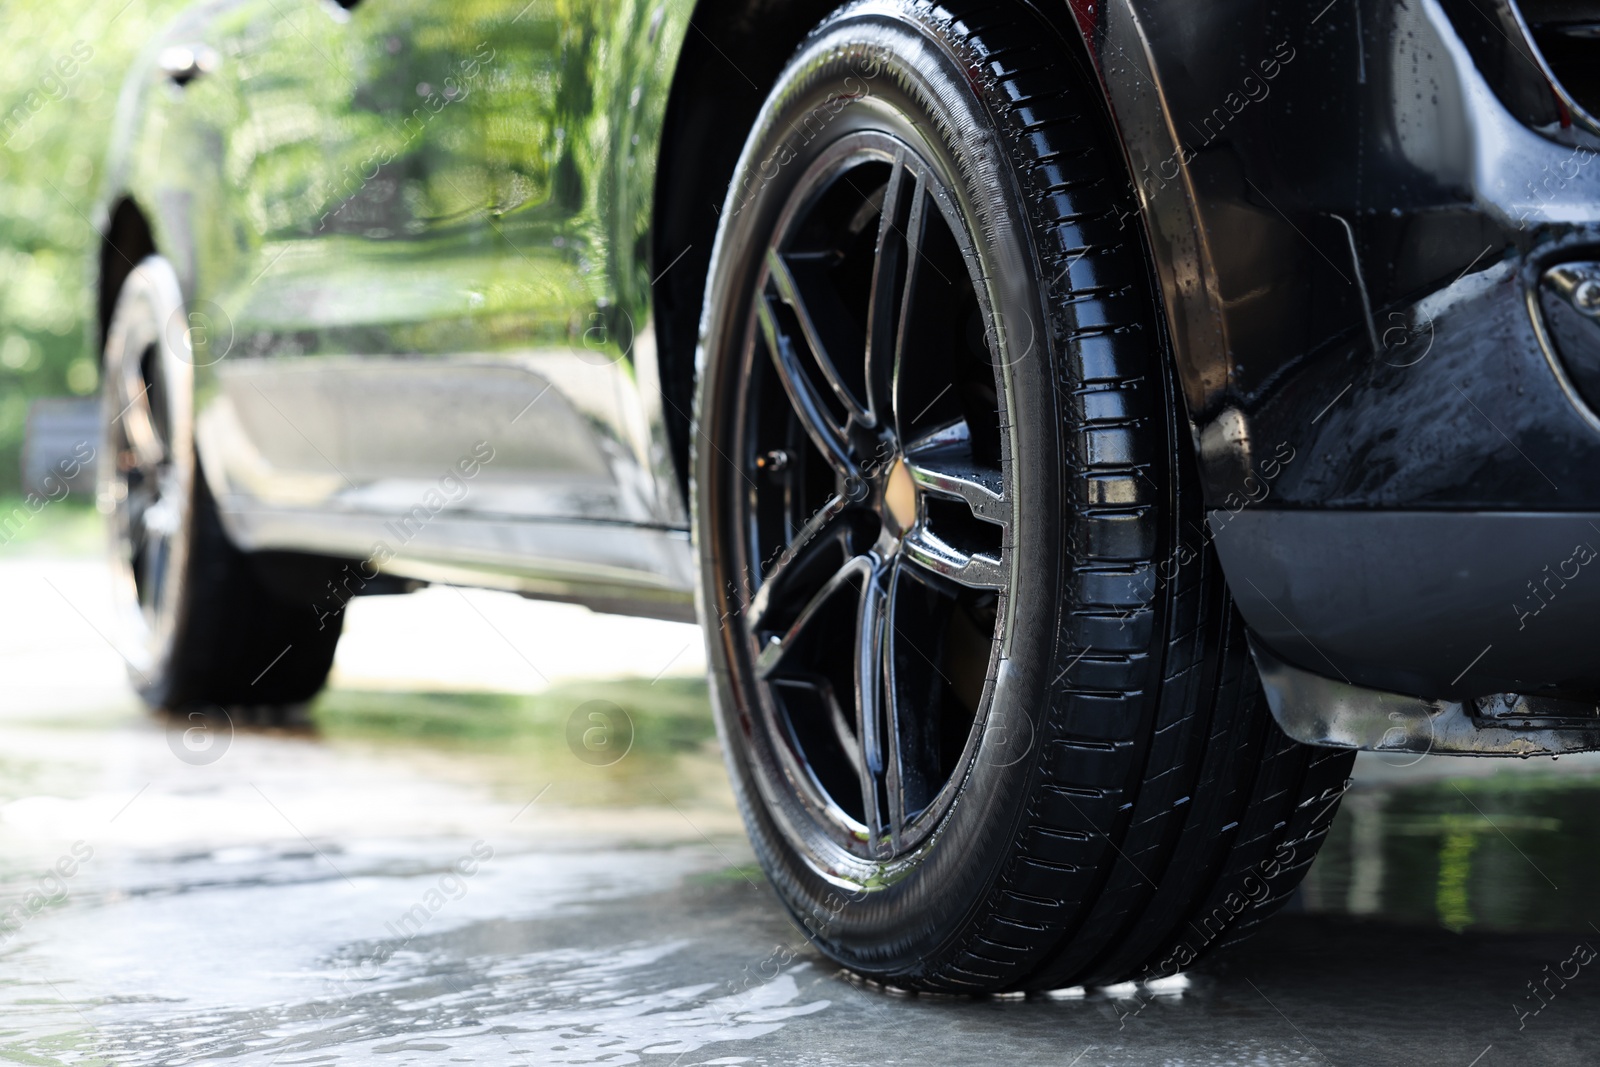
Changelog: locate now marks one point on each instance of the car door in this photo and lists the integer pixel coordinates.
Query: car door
(447, 266)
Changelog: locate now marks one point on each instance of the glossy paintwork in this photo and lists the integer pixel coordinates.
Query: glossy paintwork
(1351, 206)
(1346, 219)
(409, 234)
(402, 223)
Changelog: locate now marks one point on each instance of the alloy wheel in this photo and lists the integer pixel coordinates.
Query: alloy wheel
(872, 504)
(147, 468)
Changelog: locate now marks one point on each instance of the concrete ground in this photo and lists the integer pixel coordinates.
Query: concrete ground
(440, 872)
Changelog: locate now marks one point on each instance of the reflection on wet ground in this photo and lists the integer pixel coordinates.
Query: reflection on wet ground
(558, 876)
(1466, 844)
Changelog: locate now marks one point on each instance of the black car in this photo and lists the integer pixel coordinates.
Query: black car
(1077, 426)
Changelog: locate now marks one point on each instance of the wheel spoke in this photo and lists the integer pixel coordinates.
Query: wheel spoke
(811, 538)
(841, 723)
(976, 571)
(949, 472)
(803, 395)
(153, 553)
(917, 643)
(889, 308)
(872, 621)
(789, 292)
(772, 656)
(137, 416)
(895, 729)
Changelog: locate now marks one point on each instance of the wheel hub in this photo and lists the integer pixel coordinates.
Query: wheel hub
(899, 508)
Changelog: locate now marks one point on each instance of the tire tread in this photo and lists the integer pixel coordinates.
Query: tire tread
(1154, 824)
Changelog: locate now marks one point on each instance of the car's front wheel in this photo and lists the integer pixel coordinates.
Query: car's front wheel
(986, 704)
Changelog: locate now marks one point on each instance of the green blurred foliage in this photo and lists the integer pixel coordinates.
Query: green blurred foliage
(62, 67)
(669, 715)
(518, 146)
(66, 528)
(515, 739)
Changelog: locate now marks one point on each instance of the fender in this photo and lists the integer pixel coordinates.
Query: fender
(1325, 192)
(147, 136)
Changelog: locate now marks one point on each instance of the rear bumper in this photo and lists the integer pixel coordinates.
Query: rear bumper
(1434, 604)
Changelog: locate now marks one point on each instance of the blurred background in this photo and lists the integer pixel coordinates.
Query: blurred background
(55, 131)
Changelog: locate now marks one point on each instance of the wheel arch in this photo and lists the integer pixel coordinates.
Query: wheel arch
(126, 238)
(712, 104)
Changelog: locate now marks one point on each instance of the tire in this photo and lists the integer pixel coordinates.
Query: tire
(987, 708)
(200, 626)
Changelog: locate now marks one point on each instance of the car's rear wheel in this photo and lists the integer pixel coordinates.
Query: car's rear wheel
(201, 628)
(986, 705)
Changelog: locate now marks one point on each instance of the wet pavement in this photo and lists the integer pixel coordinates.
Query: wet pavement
(547, 868)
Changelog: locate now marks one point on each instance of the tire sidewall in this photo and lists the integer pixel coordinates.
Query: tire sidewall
(892, 61)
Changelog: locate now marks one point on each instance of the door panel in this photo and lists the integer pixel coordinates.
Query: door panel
(442, 214)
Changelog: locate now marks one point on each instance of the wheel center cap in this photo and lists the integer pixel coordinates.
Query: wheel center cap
(900, 498)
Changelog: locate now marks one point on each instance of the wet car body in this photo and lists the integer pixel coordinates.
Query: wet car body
(420, 239)
(368, 292)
